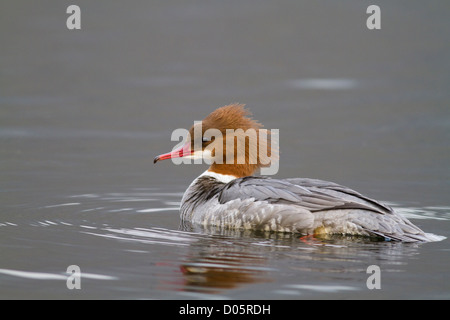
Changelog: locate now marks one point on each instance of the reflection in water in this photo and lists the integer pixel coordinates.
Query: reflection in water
(227, 259)
(223, 266)
(231, 258)
(208, 262)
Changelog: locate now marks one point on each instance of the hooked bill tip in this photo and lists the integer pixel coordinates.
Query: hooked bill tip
(156, 159)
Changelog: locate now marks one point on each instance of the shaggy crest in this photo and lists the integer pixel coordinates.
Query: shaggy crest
(251, 143)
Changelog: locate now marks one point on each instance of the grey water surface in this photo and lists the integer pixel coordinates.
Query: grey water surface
(83, 113)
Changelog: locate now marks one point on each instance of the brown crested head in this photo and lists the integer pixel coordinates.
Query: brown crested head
(234, 140)
(230, 141)
(233, 116)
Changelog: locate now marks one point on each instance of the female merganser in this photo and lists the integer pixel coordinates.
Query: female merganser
(227, 195)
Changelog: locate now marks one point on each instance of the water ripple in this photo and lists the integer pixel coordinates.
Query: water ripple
(51, 276)
(144, 235)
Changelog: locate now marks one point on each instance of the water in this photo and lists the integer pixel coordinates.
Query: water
(83, 113)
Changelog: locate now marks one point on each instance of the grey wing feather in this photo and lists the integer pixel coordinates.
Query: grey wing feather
(339, 191)
(313, 195)
(327, 201)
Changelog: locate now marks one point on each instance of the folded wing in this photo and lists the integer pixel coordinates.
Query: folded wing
(329, 205)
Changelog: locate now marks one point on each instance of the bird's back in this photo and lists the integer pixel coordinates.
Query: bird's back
(302, 205)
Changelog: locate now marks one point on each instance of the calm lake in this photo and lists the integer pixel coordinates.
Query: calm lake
(84, 112)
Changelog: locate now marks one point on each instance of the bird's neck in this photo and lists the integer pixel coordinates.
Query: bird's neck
(236, 170)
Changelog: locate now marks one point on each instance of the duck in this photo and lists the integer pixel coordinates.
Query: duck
(229, 195)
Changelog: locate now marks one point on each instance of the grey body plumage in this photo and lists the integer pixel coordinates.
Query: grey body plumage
(299, 205)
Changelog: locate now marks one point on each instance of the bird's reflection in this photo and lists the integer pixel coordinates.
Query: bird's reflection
(226, 259)
(220, 261)
(224, 269)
